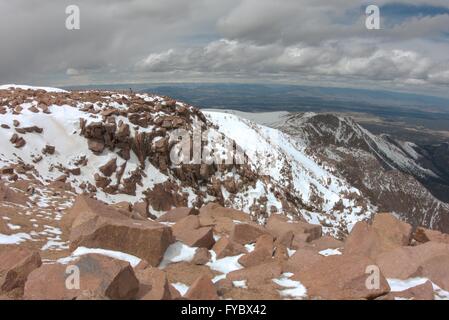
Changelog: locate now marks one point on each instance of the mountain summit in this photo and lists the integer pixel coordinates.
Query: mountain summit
(128, 182)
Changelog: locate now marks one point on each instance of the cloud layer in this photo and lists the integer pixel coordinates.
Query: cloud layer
(178, 40)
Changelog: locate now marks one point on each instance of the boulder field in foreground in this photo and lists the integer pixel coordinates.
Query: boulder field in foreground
(220, 253)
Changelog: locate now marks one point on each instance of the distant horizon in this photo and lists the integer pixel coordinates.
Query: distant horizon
(261, 83)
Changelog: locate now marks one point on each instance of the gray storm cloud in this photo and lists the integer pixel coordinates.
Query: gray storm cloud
(135, 40)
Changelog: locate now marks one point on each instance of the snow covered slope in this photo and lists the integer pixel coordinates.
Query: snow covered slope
(388, 172)
(275, 154)
(131, 134)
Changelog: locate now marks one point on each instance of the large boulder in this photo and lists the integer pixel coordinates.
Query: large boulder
(189, 231)
(437, 269)
(262, 253)
(177, 214)
(325, 242)
(202, 256)
(85, 209)
(96, 225)
(391, 229)
(9, 195)
(421, 292)
(16, 263)
(99, 277)
(385, 234)
(4, 227)
(299, 231)
(302, 260)
(154, 285)
(257, 275)
(220, 218)
(256, 257)
(407, 262)
(424, 235)
(246, 233)
(109, 168)
(341, 278)
(226, 247)
(145, 239)
(202, 289)
(187, 272)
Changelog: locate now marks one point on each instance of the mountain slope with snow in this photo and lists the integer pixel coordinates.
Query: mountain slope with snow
(132, 134)
(388, 172)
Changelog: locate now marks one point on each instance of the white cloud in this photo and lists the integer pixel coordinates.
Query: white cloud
(330, 59)
(72, 72)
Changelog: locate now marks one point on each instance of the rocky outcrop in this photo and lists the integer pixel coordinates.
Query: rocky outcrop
(99, 277)
(96, 225)
(202, 289)
(16, 264)
(349, 276)
(298, 231)
(385, 233)
(9, 195)
(189, 231)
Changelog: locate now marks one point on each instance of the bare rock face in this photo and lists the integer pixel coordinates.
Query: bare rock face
(341, 277)
(265, 241)
(4, 228)
(325, 242)
(16, 264)
(49, 150)
(9, 195)
(189, 231)
(262, 253)
(256, 257)
(145, 239)
(392, 229)
(177, 214)
(225, 247)
(96, 146)
(302, 260)
(385, 234)
(100, 276)
(425, 235)
(109, 168)
(407, 262)
(141, 209)
(437, 269)
(97, 225)
(279, 226)
(214, 210)
(86, 209)
(220, 218)
(187, 272)
(202, 256)
(421, 292)
(163, 197)
(153, 285)
(202, 289)
(257, 275)
(245, 233)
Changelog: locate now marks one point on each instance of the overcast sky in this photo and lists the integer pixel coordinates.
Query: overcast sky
(321, 42)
